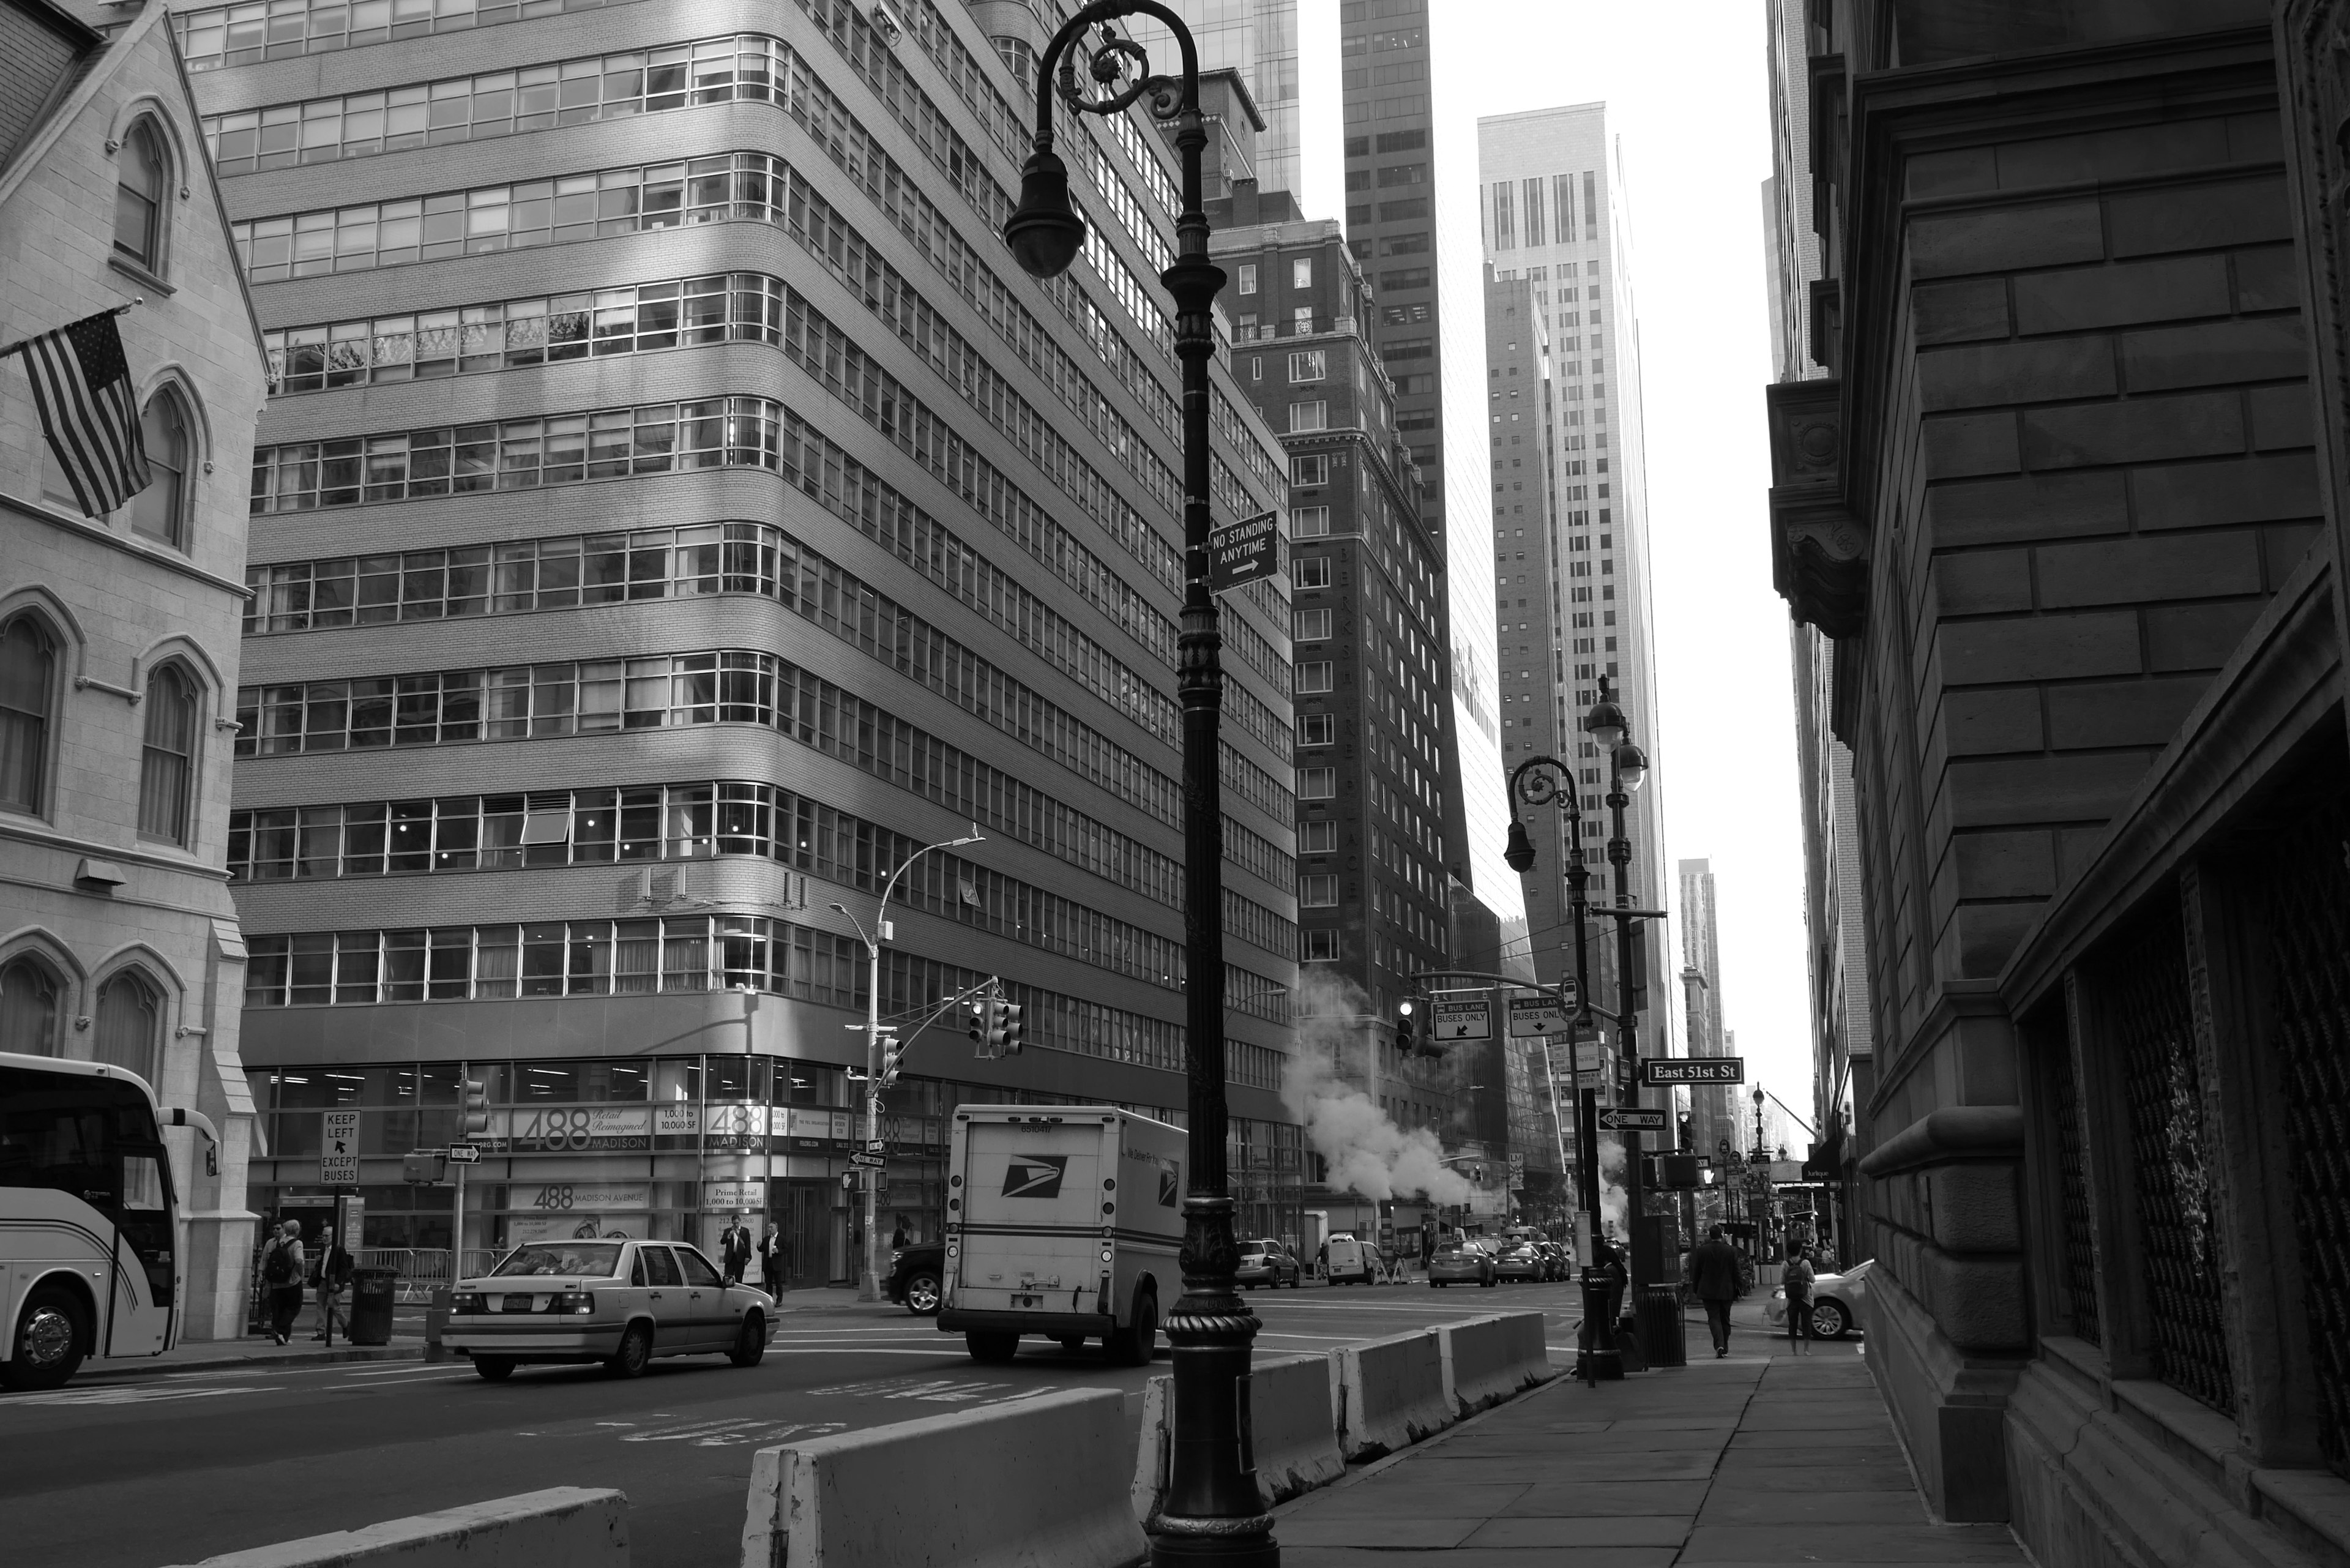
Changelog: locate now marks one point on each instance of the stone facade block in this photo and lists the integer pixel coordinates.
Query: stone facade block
(2005, 719)
(2143, 430)
(1980, 1304)
(2004, 865)
(2070, 788)
(2198, 217)
(1982, 582)
(2050, 235)
(1959, 445)
(1989, 374)
(2130, 152)
(1982, 937)
(2085, 298)
(2136, 571)
(1959, 312)
(1976, 1208)
(2119, 713)
(2197, 637)
(2035, 506)
(2047, 647)
(2282, 417)
(2211, 353)
(2198, 494)
(2282, 546)
(2266, 279)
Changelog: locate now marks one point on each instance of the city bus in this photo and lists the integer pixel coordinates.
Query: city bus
(88, 1223)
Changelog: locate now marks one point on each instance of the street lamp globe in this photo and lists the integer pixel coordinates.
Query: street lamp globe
(1631, 766)
(1520, 852)
(1605, 723)
(1045, 232)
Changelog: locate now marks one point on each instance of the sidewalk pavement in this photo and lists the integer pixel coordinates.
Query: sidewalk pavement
(240, 1355)
(1761, 1458)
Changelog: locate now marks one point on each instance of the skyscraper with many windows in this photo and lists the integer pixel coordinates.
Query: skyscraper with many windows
(674, 511)
(1553, 214)
(1257, 38)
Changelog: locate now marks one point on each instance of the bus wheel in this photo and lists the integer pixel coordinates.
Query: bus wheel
(48, 1343)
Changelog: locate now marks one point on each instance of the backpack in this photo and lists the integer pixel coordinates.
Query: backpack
(277, 1269)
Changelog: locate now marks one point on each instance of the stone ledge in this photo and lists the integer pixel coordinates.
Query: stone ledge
(1954, 1132)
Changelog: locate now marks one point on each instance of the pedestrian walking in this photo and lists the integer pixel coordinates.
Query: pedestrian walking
(734, 1250)
(771, 1261)
(1713, 1275)
(281, 1279)
(333, 1274)
(1797, 1278)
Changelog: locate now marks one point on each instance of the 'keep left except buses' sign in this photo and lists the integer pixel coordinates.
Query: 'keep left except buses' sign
(1248, 550)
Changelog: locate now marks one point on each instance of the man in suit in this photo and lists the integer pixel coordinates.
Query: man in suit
(734, 1250)
(771, 1261)
(1713, 1275)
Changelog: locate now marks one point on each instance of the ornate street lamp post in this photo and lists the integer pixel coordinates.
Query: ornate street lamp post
(1211, 1512)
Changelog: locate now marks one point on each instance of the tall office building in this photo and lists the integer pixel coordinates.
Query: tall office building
(675, 510)
(1836, 924)
(1258, 38)
(1553, 216)
(1712, 1108)
(1429, 295)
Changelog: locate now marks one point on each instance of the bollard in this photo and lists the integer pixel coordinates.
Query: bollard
(1600, 1360)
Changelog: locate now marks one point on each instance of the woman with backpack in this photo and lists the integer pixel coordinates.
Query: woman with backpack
(281, 1276)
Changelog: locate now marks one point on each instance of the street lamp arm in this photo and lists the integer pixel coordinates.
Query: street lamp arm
(891, 888)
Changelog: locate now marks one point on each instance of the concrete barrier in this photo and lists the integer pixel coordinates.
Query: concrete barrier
(562, 1527)
(1293, 1432)
(1390, 1393)
(1489, 1359)
(1034, 1483)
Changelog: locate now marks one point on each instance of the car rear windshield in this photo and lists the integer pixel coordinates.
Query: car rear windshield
(596, 1260)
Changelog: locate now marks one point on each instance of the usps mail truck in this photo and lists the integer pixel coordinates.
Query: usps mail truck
(1063, 1221)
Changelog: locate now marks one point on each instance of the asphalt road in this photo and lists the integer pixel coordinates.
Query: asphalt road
(146, 1471)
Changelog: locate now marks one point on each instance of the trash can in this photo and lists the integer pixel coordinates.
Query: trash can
(1660, 1327)
(372, 1293)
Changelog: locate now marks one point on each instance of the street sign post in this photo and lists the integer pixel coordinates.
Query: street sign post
(339, 1156)
(1534, 1017)
(1465, 1020)
(1244, 552)
(465, 1154)
(877, 1146)
(1657, 1071)
(1632, 1118)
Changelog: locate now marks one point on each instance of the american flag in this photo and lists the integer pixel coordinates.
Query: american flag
(81, 384)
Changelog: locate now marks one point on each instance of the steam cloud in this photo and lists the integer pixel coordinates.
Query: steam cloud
(1369, 1154)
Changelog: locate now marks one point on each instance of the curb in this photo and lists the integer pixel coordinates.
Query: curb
(1357, 1474)
(239, 1363)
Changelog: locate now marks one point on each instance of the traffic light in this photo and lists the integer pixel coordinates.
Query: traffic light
(1689, 1134)
(1678, 1172)
(983, 1025)
(474, 1115)
(1008, 1020)
(893, 1057)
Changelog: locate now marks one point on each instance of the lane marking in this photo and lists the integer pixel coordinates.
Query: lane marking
(140, 1394)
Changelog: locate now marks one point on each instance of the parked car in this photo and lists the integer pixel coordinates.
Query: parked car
(1461, 1264)
(1521, 1261)
(619, 1302)
(1268, 1262)
(1836, 1302)
(1561, 1262)
(916, 1273)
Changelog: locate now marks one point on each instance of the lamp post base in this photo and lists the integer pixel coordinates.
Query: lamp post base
(1212, 1512)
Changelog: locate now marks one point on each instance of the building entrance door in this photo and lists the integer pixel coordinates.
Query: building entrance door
(804, 1218)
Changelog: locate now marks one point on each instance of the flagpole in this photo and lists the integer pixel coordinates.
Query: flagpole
(118, 310)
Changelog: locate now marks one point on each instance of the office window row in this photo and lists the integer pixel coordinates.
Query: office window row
(696, 822)
(243, 35)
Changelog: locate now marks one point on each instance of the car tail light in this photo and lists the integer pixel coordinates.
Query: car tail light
(465, 1301)
(575, 1303)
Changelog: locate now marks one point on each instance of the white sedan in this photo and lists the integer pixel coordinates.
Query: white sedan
(618, 1302)
(1836, 1302)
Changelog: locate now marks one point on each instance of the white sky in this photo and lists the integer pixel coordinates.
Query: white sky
(1688, 100)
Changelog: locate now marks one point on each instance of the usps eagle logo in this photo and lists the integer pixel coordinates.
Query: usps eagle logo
(1035, 1174)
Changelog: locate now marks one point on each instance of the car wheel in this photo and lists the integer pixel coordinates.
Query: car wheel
(1829, 1319)
(494, 1368)
(1436, 1284)
(1073, 1343)
(750, 1340)
(922, 1295)
(994, 1349)
(635, 1353)
(48, 1343)
(1136, 1343)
